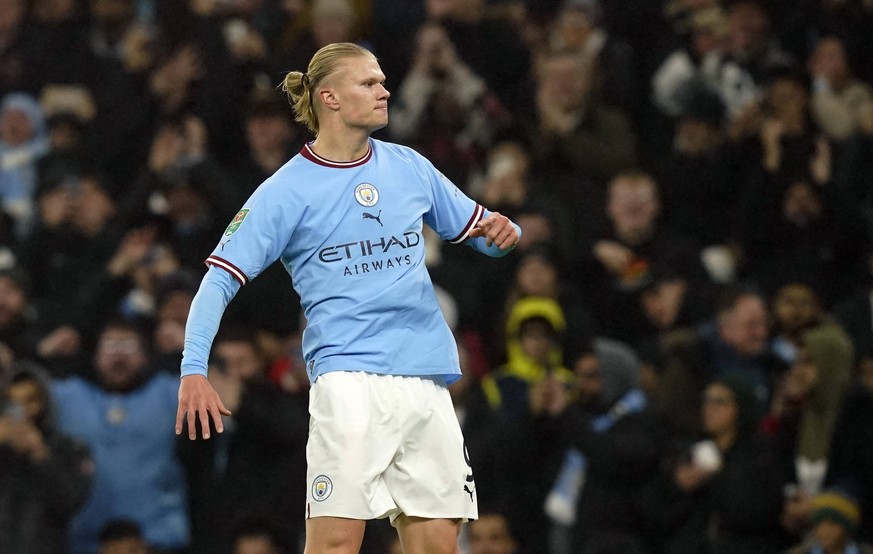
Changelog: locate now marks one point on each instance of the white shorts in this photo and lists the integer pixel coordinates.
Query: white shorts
(384, 445)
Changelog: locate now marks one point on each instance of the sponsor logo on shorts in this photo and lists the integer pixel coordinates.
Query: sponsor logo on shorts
(321, 488)
(470, 487)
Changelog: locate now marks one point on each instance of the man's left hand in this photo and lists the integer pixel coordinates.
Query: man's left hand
(497, 229)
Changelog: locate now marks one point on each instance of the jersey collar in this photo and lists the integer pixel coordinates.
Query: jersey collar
(308, 153)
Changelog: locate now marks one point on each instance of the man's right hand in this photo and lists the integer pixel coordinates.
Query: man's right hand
(197, 398)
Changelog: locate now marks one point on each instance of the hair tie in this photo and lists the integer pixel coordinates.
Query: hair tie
(305, 80)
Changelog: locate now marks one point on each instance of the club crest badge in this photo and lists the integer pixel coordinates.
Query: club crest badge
(321, 488)
(366, 195)
(237, 222)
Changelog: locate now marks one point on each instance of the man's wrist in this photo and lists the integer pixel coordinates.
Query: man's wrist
(189, 370)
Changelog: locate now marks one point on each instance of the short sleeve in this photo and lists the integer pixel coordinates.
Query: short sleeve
(452, 214)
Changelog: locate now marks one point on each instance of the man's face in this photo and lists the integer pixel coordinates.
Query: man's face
(589, 378)
(633, 205)
(255, 544)
(745, 327)
(120, 358)
(787, 98)
(240, 358)
(831, 535)
(490, 535)
(830, 60)
(175, 307)
(694, 137)
(268, 132)
(537, 277)
(332, 28)
(748, 27)
(13, 301)
(11, 15)
(796, 307)
(130, 545)
(537, 340)
(112, 12)
(15, 127)
(359, 93)
(29, 396)
(719, 410)
(564, 82)
(437, 9)
(801, 204)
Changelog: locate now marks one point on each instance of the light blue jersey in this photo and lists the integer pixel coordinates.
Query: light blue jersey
(350, 235)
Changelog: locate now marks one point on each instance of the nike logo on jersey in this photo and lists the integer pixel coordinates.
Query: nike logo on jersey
(376, 217)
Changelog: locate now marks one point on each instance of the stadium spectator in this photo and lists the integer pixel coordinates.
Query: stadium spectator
(850, 457)
(735, 341)
(574, 132)
(803, 413)
(123, 418)
(258, 537)
(73, 238)
(444, 109)
(578, 27)
(837, 96)
(45, 475)
(618, 444)
(19, 50)
(534, 332)
(719, 496)
(633, 252)
(835, 517)
(18, 331)
(256, 469)
(797, 308)
(23, 142)
(492, 534)
(488, 43)
(122, 536)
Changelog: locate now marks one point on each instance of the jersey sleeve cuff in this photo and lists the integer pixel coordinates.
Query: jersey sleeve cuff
(236, 272)
(478, 213)
(186, 371)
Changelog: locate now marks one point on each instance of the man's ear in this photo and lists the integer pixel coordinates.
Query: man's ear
(328, 99)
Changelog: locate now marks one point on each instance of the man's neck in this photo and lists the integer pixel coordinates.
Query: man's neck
(636, 236)
(725, 440)
(341, 147)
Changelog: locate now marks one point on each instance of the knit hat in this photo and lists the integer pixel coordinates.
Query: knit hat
(837, 506)
(29, 106)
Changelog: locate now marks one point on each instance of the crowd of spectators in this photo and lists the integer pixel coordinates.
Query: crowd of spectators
(678, 358)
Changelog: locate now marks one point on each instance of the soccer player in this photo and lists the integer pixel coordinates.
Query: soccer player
(345, 218)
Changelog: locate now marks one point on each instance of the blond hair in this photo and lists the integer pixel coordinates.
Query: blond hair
(300, 86)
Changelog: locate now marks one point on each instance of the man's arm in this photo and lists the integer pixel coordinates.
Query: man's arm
(197, 398)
